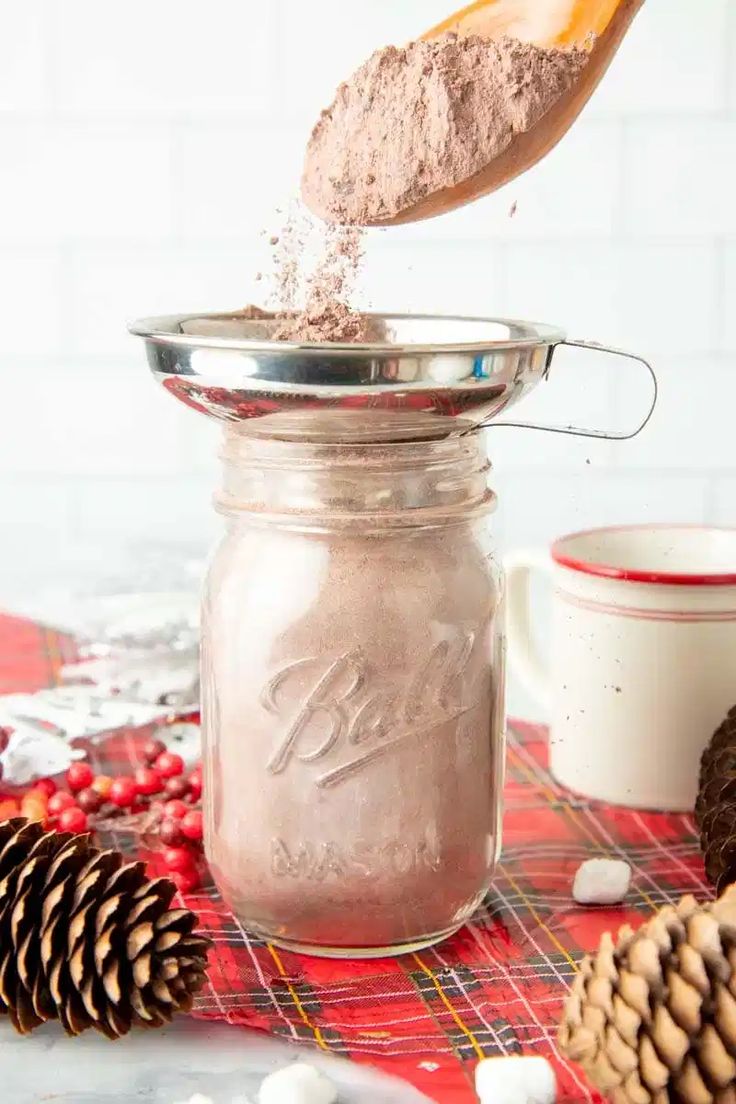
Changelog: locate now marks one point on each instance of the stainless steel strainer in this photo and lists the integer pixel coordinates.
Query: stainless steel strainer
(431, 374)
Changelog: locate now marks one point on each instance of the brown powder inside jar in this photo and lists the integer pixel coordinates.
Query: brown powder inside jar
(356, 759)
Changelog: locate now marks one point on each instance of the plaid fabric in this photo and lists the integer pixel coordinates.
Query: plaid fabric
(497, 987)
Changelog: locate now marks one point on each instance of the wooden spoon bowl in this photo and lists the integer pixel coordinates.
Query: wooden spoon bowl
(596, 25)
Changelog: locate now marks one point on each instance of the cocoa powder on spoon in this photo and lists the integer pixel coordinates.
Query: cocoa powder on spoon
(411, 121)
(416, 119)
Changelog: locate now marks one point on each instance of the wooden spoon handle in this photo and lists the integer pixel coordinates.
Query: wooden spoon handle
(560, 23)
(588, 17)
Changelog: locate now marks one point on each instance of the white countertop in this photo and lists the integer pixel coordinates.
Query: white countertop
(167, 1066)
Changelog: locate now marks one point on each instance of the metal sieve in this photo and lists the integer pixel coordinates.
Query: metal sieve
(432, 374)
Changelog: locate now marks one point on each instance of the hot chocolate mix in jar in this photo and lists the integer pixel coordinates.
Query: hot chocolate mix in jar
(353, 676)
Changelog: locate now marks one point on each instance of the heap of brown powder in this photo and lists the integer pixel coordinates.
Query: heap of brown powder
(326, 315)
(414, 120)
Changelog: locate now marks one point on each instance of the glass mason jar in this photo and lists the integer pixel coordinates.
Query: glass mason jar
(352, 681)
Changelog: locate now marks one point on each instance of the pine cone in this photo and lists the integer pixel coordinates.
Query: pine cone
(87, 939)
(653, 1017)
(715, 808)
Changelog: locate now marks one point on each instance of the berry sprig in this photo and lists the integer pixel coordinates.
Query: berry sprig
(159, 785)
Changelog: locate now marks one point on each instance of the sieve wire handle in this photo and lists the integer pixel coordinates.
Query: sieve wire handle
(578, 431)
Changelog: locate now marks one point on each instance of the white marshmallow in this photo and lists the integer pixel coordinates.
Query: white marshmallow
(297, 1084)
(522, 1079)
(198, 1099)
(601, 882)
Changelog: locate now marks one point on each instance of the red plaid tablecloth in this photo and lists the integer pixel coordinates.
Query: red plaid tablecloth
(497, 987)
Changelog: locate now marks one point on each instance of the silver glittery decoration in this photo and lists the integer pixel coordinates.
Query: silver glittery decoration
(144, 647)
(34, 750)
(139, 664)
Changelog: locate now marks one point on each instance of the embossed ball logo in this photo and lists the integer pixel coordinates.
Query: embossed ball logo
(340, 713)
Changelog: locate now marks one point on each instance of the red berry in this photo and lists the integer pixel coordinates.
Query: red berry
(60, 801)
(152, 749)
(195, 784)
(176, 787)
(170, 833)
(5, 734)
(73, 820)
(191, 824)
(89, 800)
(176, 809)
(79, 776)
(148, 780)
(185, 880)
(169, 764)
(123, 792)
(178, 859)
(46, 786)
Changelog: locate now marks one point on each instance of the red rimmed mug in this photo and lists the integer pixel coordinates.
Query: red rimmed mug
(642, 666)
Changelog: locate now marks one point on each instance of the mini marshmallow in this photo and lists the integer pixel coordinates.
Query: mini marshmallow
(522, 1079)
(601, 882)
(297, 1084)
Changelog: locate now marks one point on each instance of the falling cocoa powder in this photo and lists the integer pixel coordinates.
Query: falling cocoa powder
(415, 120)
(325, 315)
(288, 253)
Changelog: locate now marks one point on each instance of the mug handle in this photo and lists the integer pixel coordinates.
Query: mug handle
(523, 653)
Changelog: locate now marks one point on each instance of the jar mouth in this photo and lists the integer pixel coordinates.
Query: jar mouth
(367, 523)
(359, 426)
(244, 445)
(328, 485)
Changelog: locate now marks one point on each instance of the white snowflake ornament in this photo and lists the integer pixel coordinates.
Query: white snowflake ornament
(517, 1079)
(601, 882)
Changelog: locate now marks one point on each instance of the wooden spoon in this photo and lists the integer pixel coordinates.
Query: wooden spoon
(596, 25)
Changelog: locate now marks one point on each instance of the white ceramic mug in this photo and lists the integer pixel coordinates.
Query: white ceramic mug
(642, 660)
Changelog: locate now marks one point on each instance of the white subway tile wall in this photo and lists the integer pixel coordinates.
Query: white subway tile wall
(146, 145)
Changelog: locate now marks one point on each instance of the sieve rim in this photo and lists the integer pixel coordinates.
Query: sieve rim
(168, 330)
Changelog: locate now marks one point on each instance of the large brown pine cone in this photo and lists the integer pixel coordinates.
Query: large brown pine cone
(652, 1018)
(715, 808)
(88, 939)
